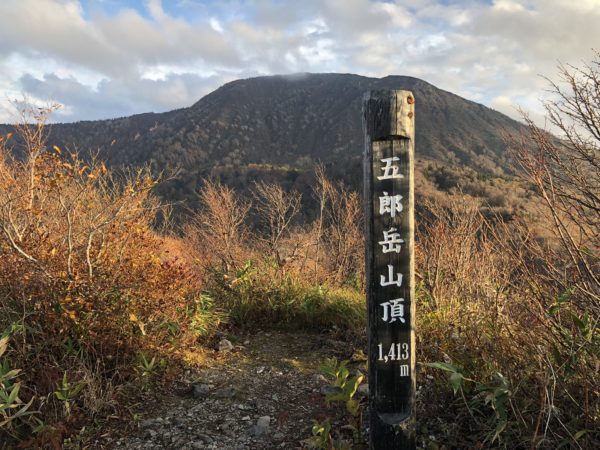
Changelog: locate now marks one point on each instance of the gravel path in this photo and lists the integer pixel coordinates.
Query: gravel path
(262, 393)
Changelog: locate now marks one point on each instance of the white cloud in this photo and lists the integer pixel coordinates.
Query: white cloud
(124, 97)
(102, 63)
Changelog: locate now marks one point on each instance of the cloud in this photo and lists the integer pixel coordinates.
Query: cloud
(113, 59)
(111, 45)
(116, 98)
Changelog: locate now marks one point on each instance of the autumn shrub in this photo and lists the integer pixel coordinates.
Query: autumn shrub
(509, 309)
(338, 232)
(465, 322)
(279, 272)
(217, 234)
(564, 272)
(83, 278)
(505, 372)
(276, 210)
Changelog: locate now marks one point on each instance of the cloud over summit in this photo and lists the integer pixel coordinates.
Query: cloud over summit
(102, 58)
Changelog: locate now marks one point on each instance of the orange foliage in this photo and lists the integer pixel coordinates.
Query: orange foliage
(80, 263)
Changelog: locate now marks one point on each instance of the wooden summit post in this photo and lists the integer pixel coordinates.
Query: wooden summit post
(389, 127)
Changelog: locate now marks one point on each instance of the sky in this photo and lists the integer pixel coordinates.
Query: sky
(102, 59)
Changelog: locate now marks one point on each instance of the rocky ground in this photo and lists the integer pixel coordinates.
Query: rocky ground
(262, 391)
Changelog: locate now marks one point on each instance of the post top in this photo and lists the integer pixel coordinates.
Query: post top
(389, 113)
(387, 93)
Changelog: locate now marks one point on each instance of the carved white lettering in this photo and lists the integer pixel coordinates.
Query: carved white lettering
(392, 278)
(390, 204)
(397, 352)
(390, 171)
(393, 310)
(391, 241)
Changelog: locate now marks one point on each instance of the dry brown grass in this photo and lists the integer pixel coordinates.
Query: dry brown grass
(488, 306)
(84, 282)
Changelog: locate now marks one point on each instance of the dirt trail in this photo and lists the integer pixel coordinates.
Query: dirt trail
(263, 394)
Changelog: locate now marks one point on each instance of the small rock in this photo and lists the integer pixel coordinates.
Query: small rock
(228, 428)
(200, 391)
(205, 438)
(225, 346)
(146, 423)
(363, 390)
(246, 342)
(318, 378)
(278, 436)
(226, 392)
(262, 426)
(327, 390)
(149, 434)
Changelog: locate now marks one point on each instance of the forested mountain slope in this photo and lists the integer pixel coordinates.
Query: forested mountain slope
(279, 126)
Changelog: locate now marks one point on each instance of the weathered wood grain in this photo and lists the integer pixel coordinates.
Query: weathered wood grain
(389, 133)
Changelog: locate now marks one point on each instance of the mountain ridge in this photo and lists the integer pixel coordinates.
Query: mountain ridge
(254, 127)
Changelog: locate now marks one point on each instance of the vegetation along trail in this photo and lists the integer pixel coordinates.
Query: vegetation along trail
(263, 391)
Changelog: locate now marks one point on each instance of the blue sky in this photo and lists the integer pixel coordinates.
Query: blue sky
(110, 58)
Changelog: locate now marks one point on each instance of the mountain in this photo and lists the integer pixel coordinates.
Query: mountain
(279, 126)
